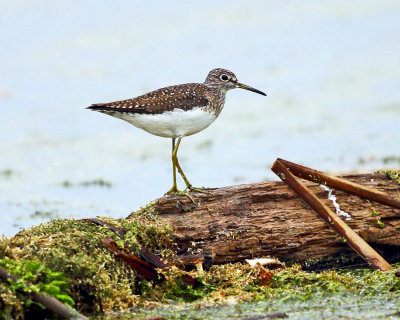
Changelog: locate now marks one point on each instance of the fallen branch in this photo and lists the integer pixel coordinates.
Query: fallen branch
(143, 268)
(340, 184)
(333, 220)
(48, 301)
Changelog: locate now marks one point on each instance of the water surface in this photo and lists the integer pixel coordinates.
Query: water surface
(331, 70)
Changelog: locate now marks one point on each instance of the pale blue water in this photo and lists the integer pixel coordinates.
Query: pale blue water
(331, 70)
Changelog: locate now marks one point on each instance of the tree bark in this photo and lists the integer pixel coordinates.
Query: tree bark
(268, 219)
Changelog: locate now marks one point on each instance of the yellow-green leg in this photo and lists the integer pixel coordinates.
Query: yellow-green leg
(177, 165)
(174, 188)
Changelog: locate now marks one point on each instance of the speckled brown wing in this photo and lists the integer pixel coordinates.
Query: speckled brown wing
(185, 97)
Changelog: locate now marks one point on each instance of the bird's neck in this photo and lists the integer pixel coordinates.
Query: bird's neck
(219, 98)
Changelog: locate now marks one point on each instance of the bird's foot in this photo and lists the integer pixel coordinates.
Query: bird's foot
(175, 192)
(187, 192)
(194, 189)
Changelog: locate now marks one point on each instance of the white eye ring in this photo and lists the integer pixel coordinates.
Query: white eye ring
(224, 77)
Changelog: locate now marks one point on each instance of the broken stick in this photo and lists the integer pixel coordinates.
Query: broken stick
(333, 220)
(143, 268)
(340, 184)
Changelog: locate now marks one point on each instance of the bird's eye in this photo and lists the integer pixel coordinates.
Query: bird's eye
(224, 77)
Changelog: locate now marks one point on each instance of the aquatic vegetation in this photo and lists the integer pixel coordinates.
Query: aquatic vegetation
(43, 214)
(7, 173)
(95, 182)
(390, 159)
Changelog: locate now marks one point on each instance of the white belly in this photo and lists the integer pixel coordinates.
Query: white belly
(171, 124)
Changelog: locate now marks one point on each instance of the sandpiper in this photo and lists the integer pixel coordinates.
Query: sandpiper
(177, 111)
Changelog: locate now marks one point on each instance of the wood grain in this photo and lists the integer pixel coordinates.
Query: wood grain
(268, 219)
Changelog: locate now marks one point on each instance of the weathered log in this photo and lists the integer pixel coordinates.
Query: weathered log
(246, 221)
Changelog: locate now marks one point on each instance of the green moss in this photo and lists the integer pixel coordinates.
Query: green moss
(391, 174)
(41, 278)
(176, 289)
(295, 283)
(98, 280)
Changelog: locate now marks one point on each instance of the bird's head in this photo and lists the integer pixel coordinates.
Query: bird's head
(226, 80)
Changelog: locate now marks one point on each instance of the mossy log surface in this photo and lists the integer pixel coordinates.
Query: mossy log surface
(268, 219)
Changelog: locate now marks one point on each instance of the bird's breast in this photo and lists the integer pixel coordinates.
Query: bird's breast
(171, 124)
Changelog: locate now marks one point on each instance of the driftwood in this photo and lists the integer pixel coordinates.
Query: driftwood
(268, 219)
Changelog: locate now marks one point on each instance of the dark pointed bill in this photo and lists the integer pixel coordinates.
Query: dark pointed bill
(243, 86)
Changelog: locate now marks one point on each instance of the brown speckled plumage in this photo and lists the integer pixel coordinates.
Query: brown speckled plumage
(184, 96)
(209, 95)
(177, 111)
